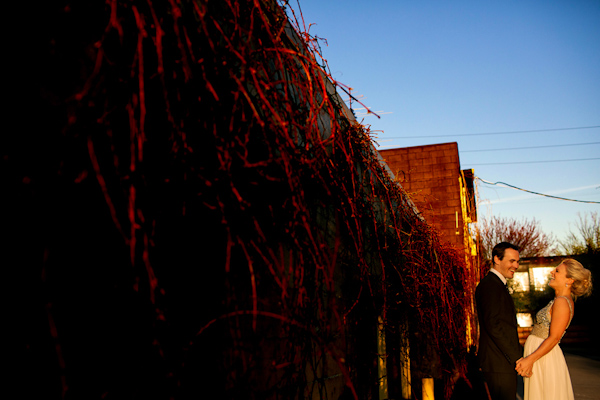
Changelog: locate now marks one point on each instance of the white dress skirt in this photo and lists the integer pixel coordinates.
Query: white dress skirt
(550, 379)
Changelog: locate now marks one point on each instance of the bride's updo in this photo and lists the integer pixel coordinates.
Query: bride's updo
(582, 285)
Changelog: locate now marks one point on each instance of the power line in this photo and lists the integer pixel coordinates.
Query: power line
(498, 133)
(539, 194)
(532, 147)
(537, 162)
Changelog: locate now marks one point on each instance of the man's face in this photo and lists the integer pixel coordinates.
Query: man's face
(509, 264)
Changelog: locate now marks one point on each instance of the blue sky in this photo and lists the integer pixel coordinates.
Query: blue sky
(470, 71)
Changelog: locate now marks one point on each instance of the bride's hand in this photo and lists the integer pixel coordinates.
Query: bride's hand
(524, 367)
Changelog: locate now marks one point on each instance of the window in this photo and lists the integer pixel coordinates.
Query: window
(521, 282)
(540, 276)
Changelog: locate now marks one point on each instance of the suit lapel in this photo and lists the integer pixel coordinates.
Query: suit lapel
(507, 296)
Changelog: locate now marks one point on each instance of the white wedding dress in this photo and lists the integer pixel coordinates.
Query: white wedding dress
(550, 379)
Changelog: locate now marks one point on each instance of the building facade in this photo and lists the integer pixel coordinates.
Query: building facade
(443, 193)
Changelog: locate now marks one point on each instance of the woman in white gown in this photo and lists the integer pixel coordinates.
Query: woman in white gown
(545, 372)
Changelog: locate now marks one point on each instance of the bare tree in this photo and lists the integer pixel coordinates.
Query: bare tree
(525, 233)
(586, 238)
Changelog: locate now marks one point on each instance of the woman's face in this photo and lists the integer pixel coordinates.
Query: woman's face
(559, 277)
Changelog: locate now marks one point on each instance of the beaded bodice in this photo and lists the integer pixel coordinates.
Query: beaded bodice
(541, 328)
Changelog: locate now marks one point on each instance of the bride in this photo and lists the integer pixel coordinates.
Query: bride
(544, 369)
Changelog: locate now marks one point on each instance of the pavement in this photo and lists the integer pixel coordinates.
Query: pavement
(585, 375)
(584, 369)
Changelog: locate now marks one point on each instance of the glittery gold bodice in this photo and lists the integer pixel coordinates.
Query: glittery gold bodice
(543, 318)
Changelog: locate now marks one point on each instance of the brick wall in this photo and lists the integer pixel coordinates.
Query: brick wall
(430, 174)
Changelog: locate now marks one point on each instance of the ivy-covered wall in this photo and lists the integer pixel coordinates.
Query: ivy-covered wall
(192, 210)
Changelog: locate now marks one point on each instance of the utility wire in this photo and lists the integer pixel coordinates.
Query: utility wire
(529, 191)
(532, 147)
(497, 133)
(536, 162)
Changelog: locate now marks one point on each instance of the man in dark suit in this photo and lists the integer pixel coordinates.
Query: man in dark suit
(499, 347)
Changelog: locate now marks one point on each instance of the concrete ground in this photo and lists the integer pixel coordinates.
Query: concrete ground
(585, 376)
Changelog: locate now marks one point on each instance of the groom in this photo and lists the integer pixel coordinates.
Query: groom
(499, 347)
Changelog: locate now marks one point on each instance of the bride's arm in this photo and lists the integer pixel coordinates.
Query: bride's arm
(561, 314)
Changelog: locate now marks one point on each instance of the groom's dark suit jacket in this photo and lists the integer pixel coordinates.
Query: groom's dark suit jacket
(499, 347)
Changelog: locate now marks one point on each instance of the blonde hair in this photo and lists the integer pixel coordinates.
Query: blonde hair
(582, 285)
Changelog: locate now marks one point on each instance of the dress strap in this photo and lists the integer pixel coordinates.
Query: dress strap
(570, 308)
